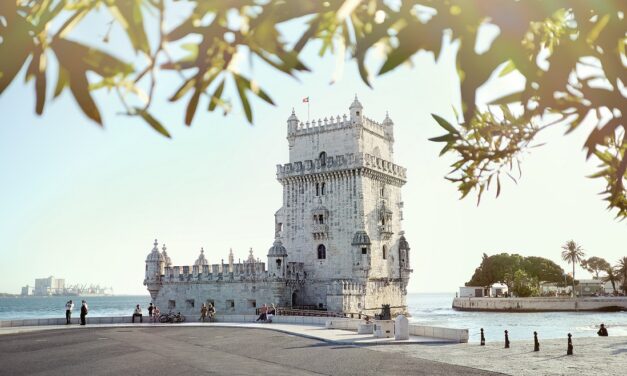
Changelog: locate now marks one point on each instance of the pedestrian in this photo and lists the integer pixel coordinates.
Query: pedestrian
(203, 313)
(156, 312)
(69, 306)
(136, 313)
(150, 309)
(270, 313)
(263, 313)
(84, 311)
(211, 312)
(603, 331)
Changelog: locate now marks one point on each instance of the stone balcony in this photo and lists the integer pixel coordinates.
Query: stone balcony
(385, 231)
(339, 163)
(319, 231)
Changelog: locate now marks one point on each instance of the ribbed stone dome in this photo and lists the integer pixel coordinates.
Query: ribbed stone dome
(277, 250)
(155, 255)
(201, 260)
(361, 238)
(402, 243)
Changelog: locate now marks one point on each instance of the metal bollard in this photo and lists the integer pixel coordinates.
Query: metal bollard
(506, 340)
(569, 351)
(536, 344)
(482, 338)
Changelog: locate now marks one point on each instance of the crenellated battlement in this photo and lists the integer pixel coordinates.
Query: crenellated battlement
(339, 163)
(330, 123)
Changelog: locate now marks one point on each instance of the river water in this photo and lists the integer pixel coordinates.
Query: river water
(426, 309)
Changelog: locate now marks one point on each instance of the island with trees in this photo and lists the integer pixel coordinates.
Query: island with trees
(511, 282)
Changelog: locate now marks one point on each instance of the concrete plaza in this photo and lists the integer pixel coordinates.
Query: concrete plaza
(196, 350)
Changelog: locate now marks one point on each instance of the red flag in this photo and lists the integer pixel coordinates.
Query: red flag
(306, 100)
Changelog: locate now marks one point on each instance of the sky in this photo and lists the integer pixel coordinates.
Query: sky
(85, 204)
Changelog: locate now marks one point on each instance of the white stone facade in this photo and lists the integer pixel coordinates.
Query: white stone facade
(338, 241)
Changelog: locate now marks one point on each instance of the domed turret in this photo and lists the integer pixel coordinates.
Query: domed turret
(403, 250)
(388, 125)
(154, 269)
(166, 258)
(277, 249)
(201, 260)
(356, 110)
(276, 259)
(292, 122)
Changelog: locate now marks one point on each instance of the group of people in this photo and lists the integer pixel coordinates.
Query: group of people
(266, 313)
(207, 311)
(153, 313)
(69, 307)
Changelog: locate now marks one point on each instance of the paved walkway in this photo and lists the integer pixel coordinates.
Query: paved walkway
(317, 332)
(199, 350)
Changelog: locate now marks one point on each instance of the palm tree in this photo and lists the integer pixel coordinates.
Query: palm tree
(621, 270)
(611, 277)
(573, 253)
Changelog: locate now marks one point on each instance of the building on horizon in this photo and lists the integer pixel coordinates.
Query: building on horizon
(338, 242)
(49, 286)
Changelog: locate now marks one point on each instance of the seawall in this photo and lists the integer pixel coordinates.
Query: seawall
(540, 304)
(448, 334)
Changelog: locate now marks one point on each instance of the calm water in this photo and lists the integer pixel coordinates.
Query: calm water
(427, 309)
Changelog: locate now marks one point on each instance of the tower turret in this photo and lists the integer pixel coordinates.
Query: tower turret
(201, 260)
(356, 110)
(231, 260)
(276, 259)
(292, 123)
(388, 126)
(154, 267)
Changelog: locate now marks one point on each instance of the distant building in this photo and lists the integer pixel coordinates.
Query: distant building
(49, 286)
(28, 290)
(589, 287)
(496, 290)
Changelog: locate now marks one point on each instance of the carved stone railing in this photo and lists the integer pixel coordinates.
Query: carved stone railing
(339, 163)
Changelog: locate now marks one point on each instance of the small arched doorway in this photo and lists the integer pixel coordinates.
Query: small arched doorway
(294, 296)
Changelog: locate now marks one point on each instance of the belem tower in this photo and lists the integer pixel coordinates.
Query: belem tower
(338, 243)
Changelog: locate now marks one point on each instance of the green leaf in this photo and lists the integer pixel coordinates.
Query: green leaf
(183, 89)
(444, 138)
(216, 97)
(80, 89)
(128, 13)
(241, 90)
(508, 68)
(154, 123)
(62, 81)
(445, 124)
(75, 56)
(15, 48)
(40, 84)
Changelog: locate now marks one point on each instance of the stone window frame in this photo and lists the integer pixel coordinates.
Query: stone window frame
(190, 303)
(230, 304)
(321, 251)
(171, 304)
(384, 251)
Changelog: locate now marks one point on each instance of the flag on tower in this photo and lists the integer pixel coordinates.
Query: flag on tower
(306, 100)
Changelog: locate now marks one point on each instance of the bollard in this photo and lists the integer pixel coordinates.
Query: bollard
(569, 351)
(482, 338)
(506, 340)
(536, 344)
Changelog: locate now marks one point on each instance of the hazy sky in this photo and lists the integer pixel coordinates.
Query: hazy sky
(86, 204)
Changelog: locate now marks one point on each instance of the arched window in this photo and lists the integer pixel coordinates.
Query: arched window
(323, 159)
(322, 188)
(278, 263)
(385, 251)
(322, 252)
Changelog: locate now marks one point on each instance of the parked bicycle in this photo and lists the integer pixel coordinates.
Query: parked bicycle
(171, 317)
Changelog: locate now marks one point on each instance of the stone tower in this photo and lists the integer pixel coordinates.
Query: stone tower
(155, 263)
(342, 211)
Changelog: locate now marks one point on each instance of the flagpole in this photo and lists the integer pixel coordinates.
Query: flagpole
(307, 108)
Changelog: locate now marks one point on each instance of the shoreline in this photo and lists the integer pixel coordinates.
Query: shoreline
(541, 304)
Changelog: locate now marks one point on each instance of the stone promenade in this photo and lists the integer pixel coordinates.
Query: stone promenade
(197, 350)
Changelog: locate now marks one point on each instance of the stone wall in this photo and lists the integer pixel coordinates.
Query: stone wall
(539, 304)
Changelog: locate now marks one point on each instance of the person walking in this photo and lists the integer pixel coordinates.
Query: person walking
(157, 313)
(84, 311)
(136, 313)
(150, 309)
(263, 313)
(211, 312)
(203, 313)
(69, 306)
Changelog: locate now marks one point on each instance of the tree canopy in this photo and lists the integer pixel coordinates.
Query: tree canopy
(502, 268)
(570, 54)
(595, 265)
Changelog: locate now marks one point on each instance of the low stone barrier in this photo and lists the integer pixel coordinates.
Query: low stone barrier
(450, 334)
(540, 304)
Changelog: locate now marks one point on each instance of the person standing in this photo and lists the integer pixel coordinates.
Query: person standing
(69, 306)
(263, 313)
(84, 311)
(156, 312)
(138, 312)
(150, 309)
(203, 313)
